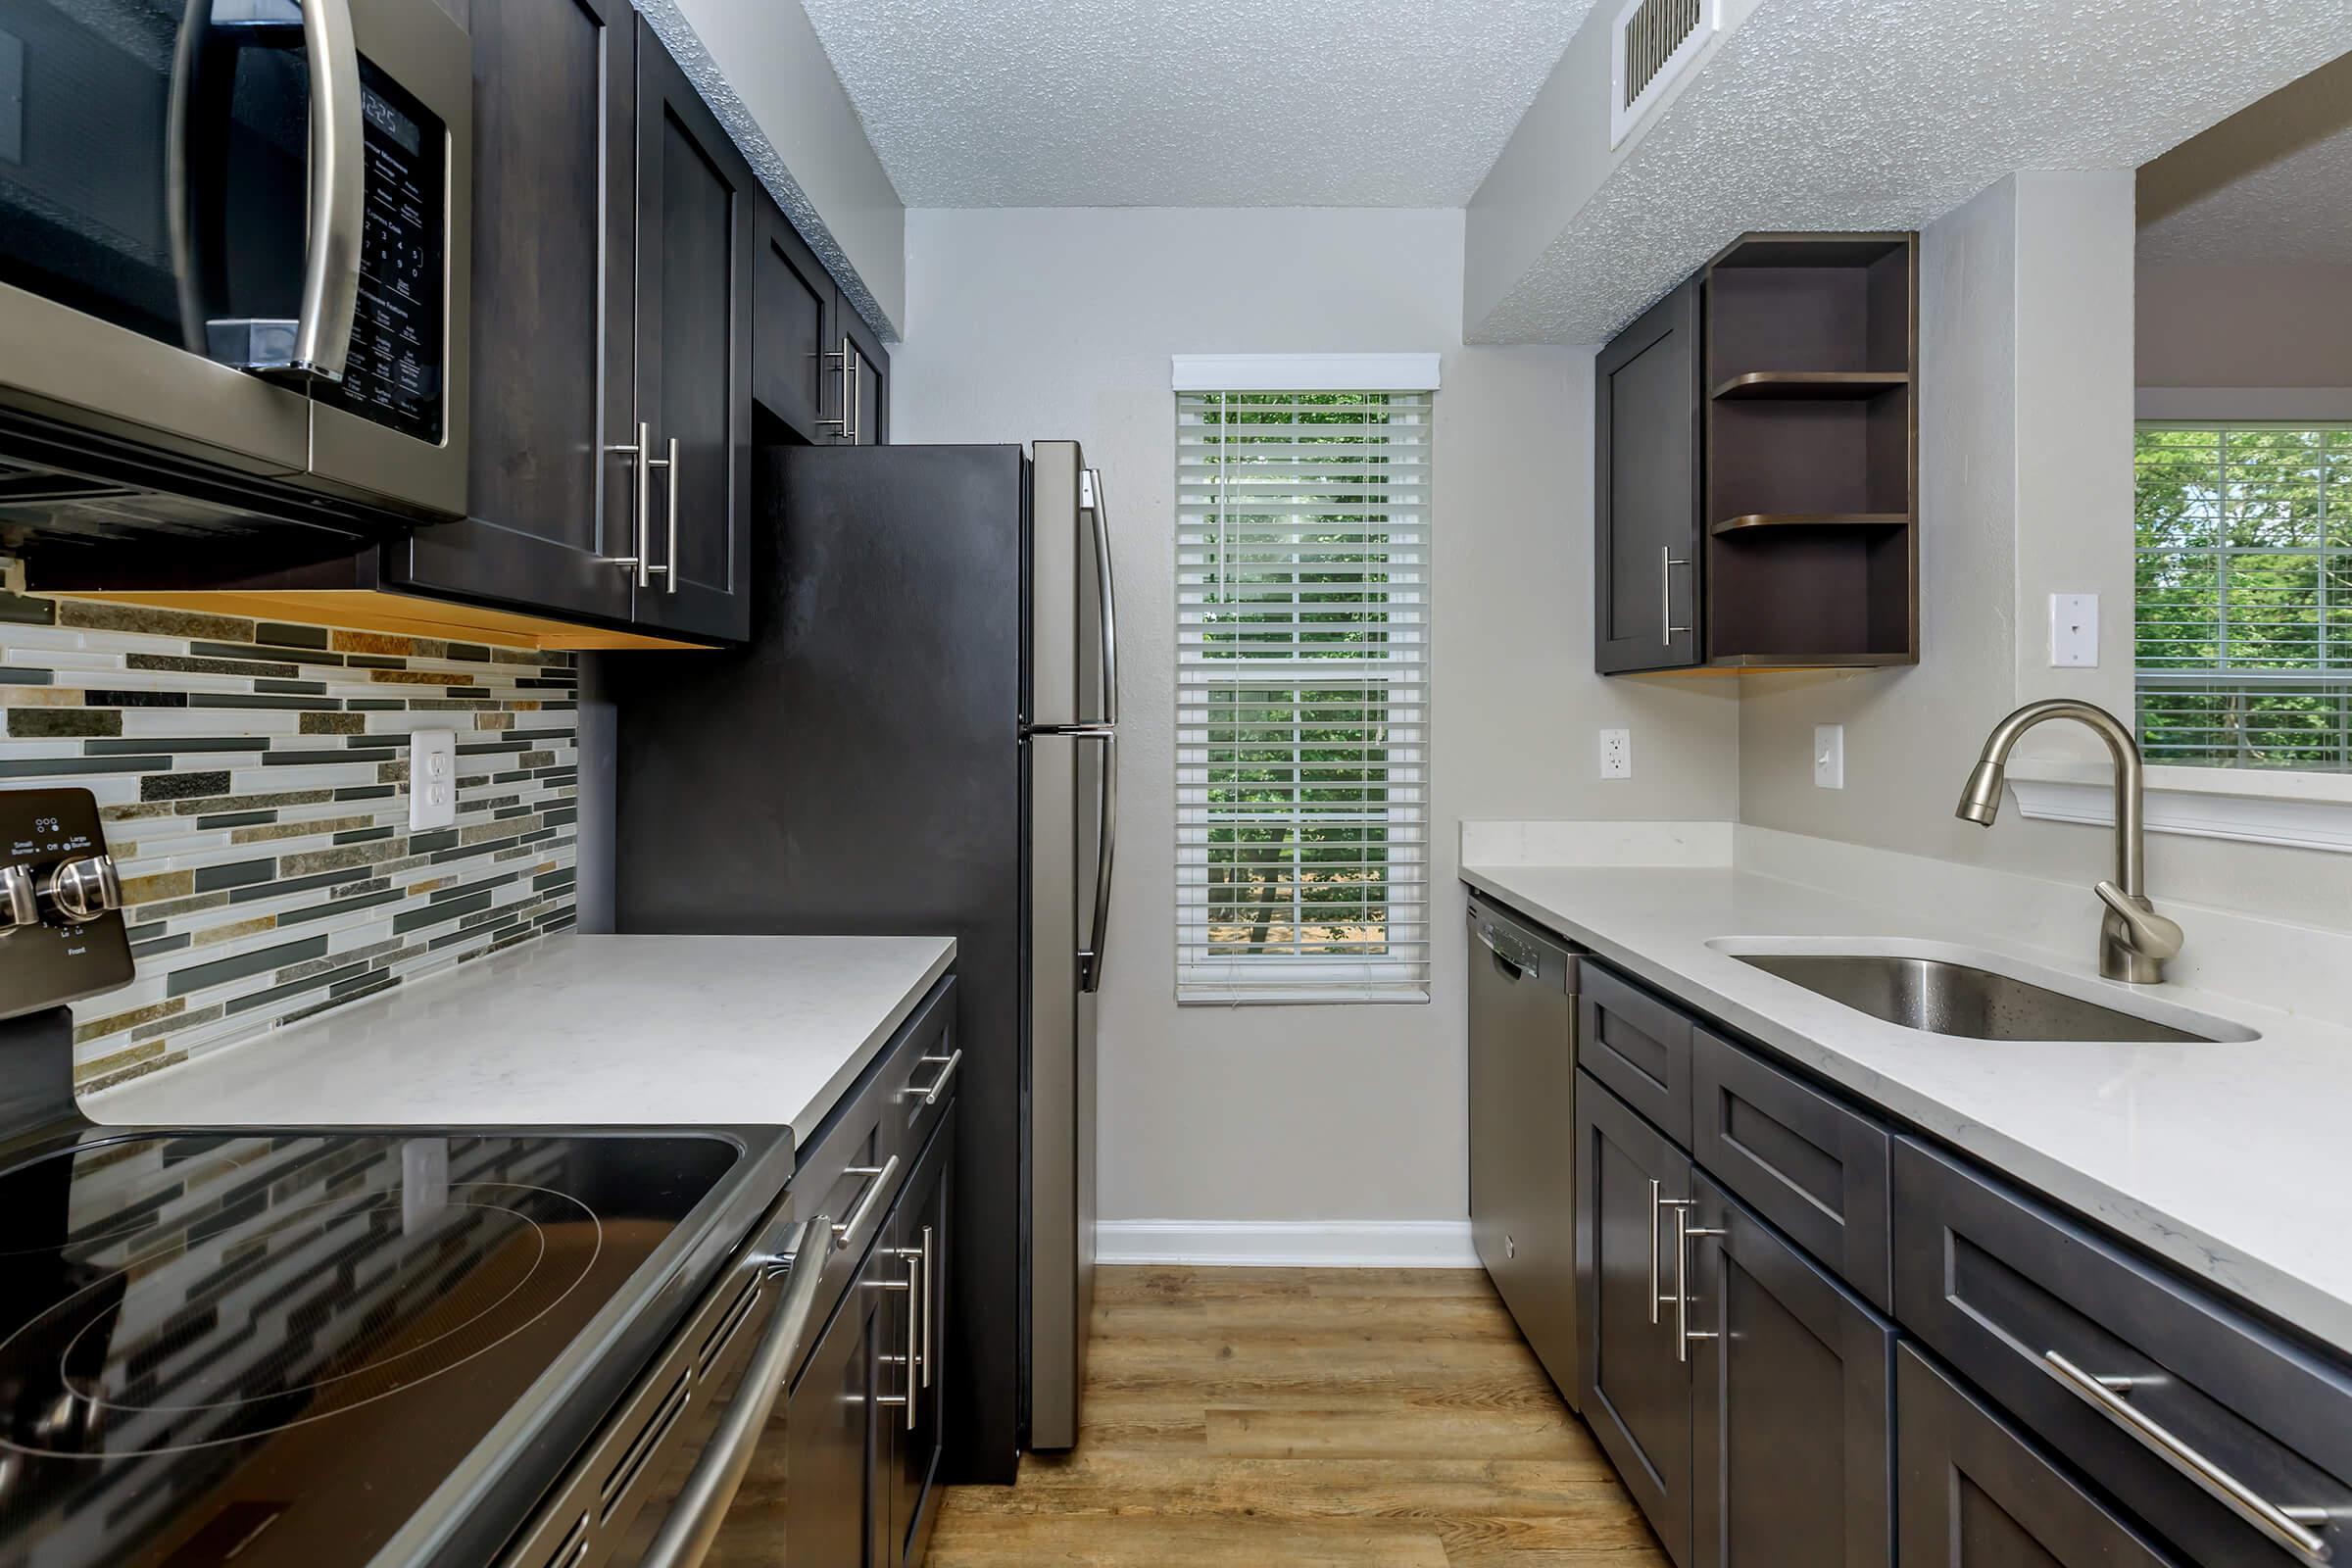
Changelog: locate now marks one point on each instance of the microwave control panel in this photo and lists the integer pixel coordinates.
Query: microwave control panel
(62, 935)
(396, 374)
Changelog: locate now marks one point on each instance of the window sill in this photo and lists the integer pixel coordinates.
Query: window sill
(2298, 810)
(1303, 997)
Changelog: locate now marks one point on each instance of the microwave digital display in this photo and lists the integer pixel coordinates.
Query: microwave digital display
(395, 374)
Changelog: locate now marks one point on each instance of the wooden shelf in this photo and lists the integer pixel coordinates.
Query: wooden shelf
(1810, 520)
(1809, 386)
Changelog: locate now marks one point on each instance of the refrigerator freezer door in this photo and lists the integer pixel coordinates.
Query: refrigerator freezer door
(1056, 1324)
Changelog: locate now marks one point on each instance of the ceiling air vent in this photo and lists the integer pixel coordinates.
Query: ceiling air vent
(1655, 42)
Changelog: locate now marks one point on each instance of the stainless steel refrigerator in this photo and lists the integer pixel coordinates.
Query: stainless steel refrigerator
(921, 738)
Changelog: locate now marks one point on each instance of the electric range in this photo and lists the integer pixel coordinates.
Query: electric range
(288, 1347)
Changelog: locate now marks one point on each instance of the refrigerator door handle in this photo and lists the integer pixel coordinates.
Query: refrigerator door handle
(1107, 843)
(1089, 500)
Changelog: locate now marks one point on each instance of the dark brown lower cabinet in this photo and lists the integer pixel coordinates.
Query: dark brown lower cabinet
(1975, 1494)
(917, 1442)
(1792, 1402)
(1632, 1183)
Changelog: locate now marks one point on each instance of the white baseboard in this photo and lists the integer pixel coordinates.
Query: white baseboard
(1269, 1243)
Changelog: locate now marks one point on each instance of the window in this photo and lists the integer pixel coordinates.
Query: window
(1302, 540)
(2244, 534)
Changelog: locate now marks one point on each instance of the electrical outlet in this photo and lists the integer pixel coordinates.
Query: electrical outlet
(1616, 754)
(1829, 755)
(2074, 631)
(433, 778)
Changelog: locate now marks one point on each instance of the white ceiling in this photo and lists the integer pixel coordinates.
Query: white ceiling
(1192, 103)
(1887, 113)
(2272, 185)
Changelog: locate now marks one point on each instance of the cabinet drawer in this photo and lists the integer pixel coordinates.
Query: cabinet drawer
(2041, 1313)
(848, 1170)
(921, 1074)
(1640, 1046)
(1975, 1493)
(1798, 1158)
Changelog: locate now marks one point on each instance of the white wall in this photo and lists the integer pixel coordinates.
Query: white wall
(1026, 323)
(832, 185)
(2245, 326)
(2026, 410)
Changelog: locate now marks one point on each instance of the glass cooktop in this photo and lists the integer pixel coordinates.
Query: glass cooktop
(270, 1350)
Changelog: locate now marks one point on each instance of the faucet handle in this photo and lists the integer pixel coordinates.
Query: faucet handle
(2150, 934)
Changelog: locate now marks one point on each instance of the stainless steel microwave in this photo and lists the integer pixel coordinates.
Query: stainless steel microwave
(237, 232)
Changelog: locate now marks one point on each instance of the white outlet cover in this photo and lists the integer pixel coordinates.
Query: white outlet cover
(1829, 755)
(2074, 631)
(1616, 754)
(433, 778)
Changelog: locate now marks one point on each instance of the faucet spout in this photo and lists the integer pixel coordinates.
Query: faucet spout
(2130, 948)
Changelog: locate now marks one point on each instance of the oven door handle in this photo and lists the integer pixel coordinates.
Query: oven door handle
(330, 268)
(693, 1524)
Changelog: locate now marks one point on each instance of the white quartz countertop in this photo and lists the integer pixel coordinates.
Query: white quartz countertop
(573, 1031)
(2229, 1159)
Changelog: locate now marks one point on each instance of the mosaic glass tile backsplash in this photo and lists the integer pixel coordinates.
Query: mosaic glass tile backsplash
(253, 777)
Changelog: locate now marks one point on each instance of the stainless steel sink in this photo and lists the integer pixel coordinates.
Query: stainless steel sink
(1957, 998)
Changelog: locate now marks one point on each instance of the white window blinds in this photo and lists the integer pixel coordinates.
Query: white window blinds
(2244, 615)
(1302, 548)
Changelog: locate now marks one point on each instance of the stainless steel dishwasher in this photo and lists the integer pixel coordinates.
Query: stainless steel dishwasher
(1523, 1129)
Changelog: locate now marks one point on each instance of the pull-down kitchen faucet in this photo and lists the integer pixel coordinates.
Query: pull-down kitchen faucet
(2134, 939)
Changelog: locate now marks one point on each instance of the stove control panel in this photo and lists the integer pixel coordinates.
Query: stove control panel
(62, 935)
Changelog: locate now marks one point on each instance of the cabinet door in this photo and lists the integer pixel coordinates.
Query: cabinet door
(696, 207)
(1630, 1184)
(923, 1244)
(552, 335)
(1975, 1493)
(869, 378)
(1646, 406)
(1792, 1405)
(794, 331)
(838, 1435)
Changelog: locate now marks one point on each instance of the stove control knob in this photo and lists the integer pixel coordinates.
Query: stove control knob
(17, 904)
(82, 890)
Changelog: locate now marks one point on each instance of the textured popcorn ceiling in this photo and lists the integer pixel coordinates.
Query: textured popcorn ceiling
(2270, 185)
(1886, 114)
(1192, 103)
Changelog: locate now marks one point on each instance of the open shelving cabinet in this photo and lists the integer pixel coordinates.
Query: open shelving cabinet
(1810, 487)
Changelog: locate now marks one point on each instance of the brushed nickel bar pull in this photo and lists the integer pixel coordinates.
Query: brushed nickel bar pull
(1683, 1233)
(930, 1306)
(1667, 629)
(947, 1066)
(2285, 1526)
(914, 1285)
(845, 1234)
(670, 570)
(839, 359)
(642, 450)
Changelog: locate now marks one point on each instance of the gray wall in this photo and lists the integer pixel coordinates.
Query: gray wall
(2245, 326)
(2026, 351)
(1034, 324)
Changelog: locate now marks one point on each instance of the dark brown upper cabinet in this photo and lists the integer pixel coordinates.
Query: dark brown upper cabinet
(1798, 498)
(554, 319)
(816, 368)
(1645, 462)
(697, 207)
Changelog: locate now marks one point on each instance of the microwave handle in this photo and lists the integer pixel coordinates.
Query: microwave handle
(330, 276)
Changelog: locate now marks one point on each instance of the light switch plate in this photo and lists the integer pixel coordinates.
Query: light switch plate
(2074, 631)
(1616, 754)
(433, 778)
(1829, 755)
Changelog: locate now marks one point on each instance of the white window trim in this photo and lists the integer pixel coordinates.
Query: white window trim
(1304, 373)
(2247, 804)
(1370, 981)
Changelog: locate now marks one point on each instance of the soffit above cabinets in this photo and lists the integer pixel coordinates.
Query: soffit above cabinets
(1853, 115)
(1204, 103)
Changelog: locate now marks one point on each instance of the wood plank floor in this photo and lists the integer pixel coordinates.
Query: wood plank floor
(1310, 1418)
